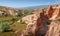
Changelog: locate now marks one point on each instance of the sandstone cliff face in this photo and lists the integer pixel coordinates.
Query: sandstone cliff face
(36, 24)
(54, 29)
(50, 11)
(39, 26)
(31, 24)
(53, 12)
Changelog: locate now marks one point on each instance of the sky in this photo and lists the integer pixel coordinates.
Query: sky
(27, 3)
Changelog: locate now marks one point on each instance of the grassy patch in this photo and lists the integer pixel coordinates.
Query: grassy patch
(18, 26)
(7, 34)
(15, 26)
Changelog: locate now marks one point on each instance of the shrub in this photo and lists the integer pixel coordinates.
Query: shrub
(5, 27)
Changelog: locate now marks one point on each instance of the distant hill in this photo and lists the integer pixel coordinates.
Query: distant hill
(8, 11)
(35, 7)
(4, 10)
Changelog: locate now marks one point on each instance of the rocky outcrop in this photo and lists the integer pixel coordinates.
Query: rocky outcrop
(36, 24)
(50, 11)
(44, 23)
(56, 13)
(11, 11)
(54, 28)
(41, 26)
(53, 12)
(31, 24)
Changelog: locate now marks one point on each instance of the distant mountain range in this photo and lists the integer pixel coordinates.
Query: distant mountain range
(35, 7)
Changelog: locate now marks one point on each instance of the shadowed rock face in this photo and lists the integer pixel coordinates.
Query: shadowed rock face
(37, 25)
(41, 26)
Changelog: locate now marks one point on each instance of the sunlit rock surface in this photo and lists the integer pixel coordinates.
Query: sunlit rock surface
(44, 23)
(54, 28)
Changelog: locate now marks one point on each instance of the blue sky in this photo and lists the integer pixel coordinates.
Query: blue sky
(27, 3)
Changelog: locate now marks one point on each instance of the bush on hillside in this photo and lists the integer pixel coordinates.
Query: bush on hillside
(5, 27)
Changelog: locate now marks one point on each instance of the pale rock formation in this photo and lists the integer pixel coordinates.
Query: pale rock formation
(54, 28)
(37, 23)
(30, 20)
(56, 13)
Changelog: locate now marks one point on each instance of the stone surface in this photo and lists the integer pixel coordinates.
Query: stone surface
(43, 23)
(54, 29)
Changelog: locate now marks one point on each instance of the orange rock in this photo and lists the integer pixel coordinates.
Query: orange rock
(56, 13)
(50, 11)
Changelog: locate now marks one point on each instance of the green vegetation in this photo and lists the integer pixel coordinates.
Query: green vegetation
(8, 23)
(28, 12)
(5, 26)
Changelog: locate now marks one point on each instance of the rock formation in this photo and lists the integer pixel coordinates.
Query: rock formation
(54, 28)
(31, 24)
(41, 26)
(43, 23)
(36, 24)
(11, 11)
(50, 11)
(53, 12)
